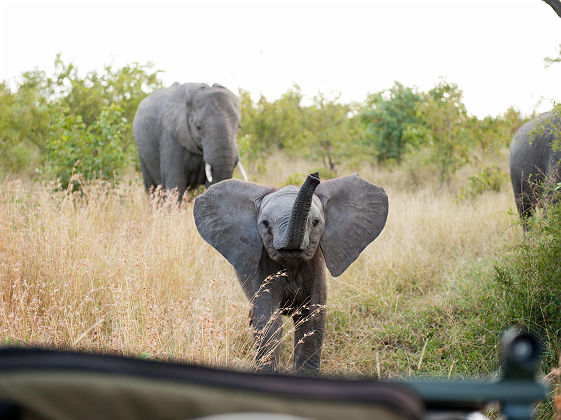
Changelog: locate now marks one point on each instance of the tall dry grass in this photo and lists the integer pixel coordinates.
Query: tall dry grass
(111, 271)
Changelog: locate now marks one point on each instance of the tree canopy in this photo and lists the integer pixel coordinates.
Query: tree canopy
(70, 122)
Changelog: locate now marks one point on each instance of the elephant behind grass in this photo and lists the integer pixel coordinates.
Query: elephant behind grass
(535, 162)
(186, 136)
(280, 241)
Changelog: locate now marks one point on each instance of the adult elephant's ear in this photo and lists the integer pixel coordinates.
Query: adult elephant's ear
(355, 214)
(226, 217)
(176, 114)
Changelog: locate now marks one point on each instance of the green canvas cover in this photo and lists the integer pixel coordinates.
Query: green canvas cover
(57, 385)
(50, 385)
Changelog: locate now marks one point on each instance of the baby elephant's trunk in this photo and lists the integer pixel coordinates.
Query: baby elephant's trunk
(297, 223)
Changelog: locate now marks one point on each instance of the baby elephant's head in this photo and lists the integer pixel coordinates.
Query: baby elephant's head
(342, 215)
(291, 222)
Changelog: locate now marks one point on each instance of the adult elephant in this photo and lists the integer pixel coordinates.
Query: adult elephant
(186, 136)
(533, 161)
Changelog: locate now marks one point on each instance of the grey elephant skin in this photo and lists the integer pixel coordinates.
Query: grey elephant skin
(280, 241)
(533, 161)
(182, 130)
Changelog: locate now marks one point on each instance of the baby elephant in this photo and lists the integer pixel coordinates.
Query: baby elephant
(279, 241)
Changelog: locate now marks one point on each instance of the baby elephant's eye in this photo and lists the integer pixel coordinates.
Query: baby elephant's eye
(265, 223)
(315, 222)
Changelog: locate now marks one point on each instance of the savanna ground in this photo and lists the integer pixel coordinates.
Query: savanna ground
(111, 271)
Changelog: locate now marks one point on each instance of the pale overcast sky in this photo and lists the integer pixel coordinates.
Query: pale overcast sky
(493, 49)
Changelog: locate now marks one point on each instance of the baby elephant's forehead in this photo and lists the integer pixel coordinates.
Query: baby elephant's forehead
(283, 200)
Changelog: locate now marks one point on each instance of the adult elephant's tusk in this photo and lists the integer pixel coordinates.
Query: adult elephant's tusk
(242, 170)
(208, 171)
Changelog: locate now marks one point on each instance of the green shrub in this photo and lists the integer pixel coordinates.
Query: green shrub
(19, 157)
(385, 118)
(488, 179)
(325, 173)
(298, 178)
(94, 151)
(528, 276)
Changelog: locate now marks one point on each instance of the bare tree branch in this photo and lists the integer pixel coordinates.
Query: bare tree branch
(555, 5)
(548, 61)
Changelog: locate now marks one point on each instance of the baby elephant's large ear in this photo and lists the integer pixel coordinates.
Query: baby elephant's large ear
(226, 217)
(355, 214)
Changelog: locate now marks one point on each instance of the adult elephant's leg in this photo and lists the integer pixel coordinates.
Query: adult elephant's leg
(194, 169)
(525, 205)
(147, 178)
(526, 198)
(308, 339)
(172, 166)
(522, 195)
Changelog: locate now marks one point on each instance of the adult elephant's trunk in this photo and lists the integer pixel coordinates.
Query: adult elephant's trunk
(294, 234)
(219, 165)
(218, 172)
(210, 177)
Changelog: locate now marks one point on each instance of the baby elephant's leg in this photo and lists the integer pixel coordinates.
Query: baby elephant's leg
(267, 331)
(308, 339)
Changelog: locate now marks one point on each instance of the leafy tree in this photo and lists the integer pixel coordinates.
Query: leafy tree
(87, 96)
(67, 107)
(511, 121)
(443, 119)
(385, 118)
(32, 107)
(322, 130)
(267, 126)
(329, 132)
(7, 116)
(93, 151)
(32, 110)
(24, 121)
(492, 134)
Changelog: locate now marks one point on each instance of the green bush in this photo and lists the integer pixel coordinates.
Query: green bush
(295, 179)
(326, 130)
(94, 151)
(19, 157)
(488, 179)
(298, 178)
(385, 118)
(443, 129)
(30, 111)
(528, 276)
